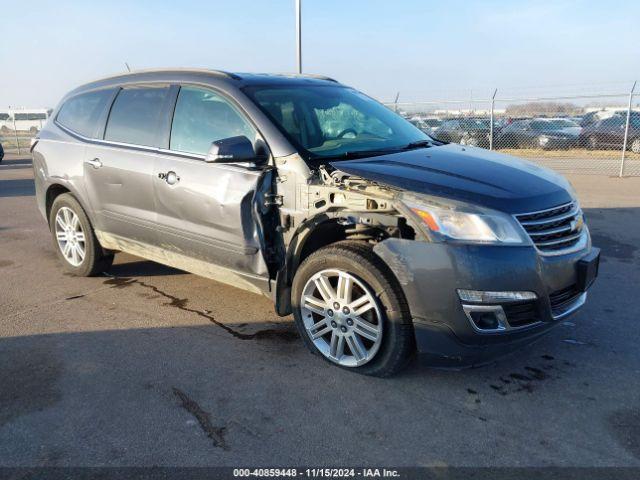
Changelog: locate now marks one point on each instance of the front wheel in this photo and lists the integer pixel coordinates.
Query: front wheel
(635, 146)
(349, 308)
(74, 240)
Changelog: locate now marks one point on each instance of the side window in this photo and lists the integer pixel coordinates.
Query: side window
(135, 115)
(202, 117)
(81, 112)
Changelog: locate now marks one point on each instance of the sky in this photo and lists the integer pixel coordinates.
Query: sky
(423, 49)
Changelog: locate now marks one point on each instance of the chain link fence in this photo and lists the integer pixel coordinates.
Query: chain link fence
(594, 134)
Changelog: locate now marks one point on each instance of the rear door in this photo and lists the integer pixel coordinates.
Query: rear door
(210, 211)
(119, 169)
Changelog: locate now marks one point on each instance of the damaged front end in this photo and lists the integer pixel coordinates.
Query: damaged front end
(333, 206)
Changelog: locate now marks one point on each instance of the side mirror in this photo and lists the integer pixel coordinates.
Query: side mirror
(232, 149)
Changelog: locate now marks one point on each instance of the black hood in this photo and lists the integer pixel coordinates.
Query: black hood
(468, 174)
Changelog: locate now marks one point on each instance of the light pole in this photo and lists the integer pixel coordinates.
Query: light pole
(299, 34)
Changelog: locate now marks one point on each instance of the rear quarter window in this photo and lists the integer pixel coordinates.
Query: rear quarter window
(80, 113)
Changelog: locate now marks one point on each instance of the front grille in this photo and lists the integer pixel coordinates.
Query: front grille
(561, 299)
(554, 229)
(520, 314)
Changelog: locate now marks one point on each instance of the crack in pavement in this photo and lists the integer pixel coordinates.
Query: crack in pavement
(204, 419)
(181, 303)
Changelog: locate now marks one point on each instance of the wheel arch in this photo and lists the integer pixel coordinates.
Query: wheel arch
(54, 190)
(313, 234)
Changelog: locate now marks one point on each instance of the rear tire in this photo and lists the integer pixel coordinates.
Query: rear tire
(74, 239)
(372, 315)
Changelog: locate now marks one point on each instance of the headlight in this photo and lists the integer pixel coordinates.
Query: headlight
(466, 223)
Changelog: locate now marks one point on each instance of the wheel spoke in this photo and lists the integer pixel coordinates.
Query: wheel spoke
(325, 288)
(337, 345)
(314, 304)
(362, 305)
(61, 236)
(80, 251)
(356, 347)
(319, 331)
(80, 236)
(365, 329)
(60, 221)
(345, 286)
(74, 221)
(74, 254)
(66, 249)
(67, 217)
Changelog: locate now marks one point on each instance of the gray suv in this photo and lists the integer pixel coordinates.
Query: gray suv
(381, 241)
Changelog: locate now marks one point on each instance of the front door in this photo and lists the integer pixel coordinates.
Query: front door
(207, 211)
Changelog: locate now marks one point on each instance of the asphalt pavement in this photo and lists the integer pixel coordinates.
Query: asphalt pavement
(155, 366)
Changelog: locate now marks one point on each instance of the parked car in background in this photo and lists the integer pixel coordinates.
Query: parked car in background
(427, 125)
(547, 133)
(465, 131)
(609, 133)
(381, 241)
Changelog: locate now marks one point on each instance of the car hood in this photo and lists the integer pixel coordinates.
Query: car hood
(468, 174)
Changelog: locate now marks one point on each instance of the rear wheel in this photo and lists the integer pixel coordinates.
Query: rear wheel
(74, 240)
(592, 142)
(350, 309)
(635, 146)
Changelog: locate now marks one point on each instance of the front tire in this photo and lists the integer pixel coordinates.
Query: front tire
(350, 309)
(74, 239)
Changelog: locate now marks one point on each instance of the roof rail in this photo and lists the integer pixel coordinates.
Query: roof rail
(303, 75)
(221, 73)
(319, 77)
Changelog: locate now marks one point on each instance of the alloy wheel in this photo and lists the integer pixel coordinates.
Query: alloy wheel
(70, 236)
(635, 146)
(341, 317)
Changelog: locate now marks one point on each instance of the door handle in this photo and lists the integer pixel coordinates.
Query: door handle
(170, 177)
(95, 163)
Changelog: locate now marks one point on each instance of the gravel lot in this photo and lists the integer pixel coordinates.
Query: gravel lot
(159, 367)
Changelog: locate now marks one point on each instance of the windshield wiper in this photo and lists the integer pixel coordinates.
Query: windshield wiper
(418, 144)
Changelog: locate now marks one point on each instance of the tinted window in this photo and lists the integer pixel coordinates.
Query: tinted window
(81, 113)
(201, 117)
(135, 114)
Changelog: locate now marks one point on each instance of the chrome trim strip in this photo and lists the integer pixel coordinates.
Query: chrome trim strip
(581, 244)
(551, 231)
(502, 319)
(546, 209)
(568, 238)
(571, 213)
(579, 302)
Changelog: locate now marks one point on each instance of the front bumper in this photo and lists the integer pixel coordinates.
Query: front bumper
(431, 273)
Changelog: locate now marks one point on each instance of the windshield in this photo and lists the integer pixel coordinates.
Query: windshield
(333, 121)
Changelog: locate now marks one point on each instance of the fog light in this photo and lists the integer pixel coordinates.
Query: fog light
(486, 318)
(479, 296)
